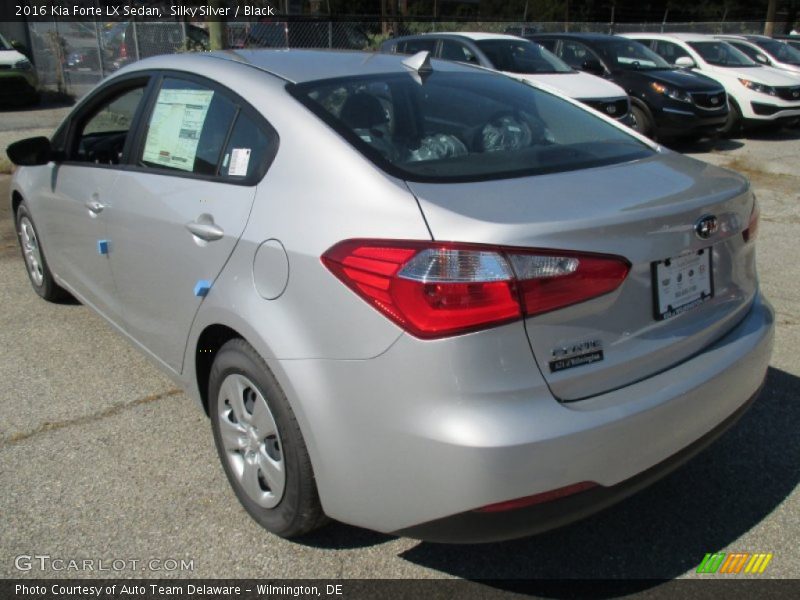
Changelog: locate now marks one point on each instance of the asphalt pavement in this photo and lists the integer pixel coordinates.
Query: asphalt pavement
(101, 457)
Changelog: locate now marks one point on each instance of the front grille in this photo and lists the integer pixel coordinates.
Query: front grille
(792, 94)
(5, 66)
(709, 100)
(616, 108)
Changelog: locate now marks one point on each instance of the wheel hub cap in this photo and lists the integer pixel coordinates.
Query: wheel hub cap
(250, 440)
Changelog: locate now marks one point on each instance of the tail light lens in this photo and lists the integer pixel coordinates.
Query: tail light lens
(751, 232)
(435, 290)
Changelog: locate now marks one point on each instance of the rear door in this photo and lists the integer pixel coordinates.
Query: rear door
(183, 205)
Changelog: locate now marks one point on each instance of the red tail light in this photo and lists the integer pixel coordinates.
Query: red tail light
(751, 232)
(435, 289)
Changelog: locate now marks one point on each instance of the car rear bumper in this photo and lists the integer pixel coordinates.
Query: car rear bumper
(410, 441)
(479, 527)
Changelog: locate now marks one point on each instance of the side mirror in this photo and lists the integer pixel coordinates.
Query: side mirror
(593, 66)
(684, 62)
(31, 152)
(760, 58)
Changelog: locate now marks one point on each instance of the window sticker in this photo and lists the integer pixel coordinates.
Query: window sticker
(178, 119)
(240, 159)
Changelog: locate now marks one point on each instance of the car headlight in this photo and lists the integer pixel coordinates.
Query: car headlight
(758, 87)
(670, 92)
(23, 65)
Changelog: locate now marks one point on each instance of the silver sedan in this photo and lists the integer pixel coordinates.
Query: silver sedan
(411, 295)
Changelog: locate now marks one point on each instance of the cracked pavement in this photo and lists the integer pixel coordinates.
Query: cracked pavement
(101, 457)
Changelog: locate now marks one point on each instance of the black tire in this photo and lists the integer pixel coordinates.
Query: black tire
(641, 121)
(47, 288)
(734, 123)
(299, 510)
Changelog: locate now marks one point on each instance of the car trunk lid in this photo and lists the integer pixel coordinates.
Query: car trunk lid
(645, 211)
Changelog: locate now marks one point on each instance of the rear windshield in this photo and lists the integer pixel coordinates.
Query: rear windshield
(722, 54)
(521, 56)
(465, 126)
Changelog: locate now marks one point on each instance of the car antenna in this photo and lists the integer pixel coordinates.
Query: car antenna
(420, 64)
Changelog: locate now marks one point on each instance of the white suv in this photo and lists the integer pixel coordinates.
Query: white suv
(765, 50)
(756, 93)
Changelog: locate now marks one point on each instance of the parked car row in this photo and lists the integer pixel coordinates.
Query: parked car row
(664, 85)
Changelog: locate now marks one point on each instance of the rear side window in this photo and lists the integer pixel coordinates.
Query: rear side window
(188, 126)
(459, 126)
(249, 149)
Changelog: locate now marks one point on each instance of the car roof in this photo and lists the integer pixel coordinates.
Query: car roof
(589, 37)
(297, 66)
(478, 35)
(685, 37)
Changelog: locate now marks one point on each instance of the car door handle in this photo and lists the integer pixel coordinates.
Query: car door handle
(95, 207)
(205, 231)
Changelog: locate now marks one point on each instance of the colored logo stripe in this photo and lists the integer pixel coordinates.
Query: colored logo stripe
(734, 562)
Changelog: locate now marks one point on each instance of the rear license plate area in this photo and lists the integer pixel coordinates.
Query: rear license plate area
(682, 283)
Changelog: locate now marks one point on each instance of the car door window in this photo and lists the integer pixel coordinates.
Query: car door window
(451, 50)
(101, 137)
(669, 51)
(575, 54)
(414, 46)
(548, 43)
(749, 50)
(187, 128)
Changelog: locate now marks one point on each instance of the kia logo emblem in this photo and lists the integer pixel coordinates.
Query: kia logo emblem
(795, 94)
(706, 227)
(715, 101)
(611, 109)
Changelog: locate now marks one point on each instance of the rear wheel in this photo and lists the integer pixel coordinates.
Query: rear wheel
(260, 444)
(641, 121)
(35, 262)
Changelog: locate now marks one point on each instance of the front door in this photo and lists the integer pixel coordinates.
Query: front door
(84, 189)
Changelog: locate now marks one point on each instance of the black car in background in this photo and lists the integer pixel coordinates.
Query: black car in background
(792, 40)
(665, 101)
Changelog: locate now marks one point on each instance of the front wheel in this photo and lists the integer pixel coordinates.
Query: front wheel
(734, 123)
(641, 122)
(39, 273)
(260, 444)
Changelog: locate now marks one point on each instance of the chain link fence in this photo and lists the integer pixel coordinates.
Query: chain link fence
(71, 57)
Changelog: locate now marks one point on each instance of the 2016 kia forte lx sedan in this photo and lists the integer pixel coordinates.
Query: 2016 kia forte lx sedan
(412, 295)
